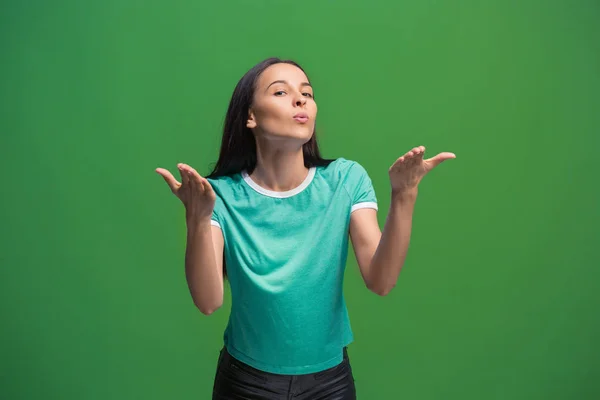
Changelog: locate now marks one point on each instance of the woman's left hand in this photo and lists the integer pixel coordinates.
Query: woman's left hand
(408, 170)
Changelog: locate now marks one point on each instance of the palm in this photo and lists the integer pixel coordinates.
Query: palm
(194, 191)
(408, 170)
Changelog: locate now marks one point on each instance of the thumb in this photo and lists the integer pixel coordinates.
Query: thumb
(438, 159)
(169, 178)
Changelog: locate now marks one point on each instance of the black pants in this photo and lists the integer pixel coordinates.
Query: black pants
(237, 380)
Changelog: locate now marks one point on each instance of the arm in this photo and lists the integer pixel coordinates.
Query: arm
(204, 247)
(380, 256)
(204, 265)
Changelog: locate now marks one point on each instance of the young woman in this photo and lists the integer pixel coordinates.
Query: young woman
(275, 219)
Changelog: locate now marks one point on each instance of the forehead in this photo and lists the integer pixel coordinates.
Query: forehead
(284, 72)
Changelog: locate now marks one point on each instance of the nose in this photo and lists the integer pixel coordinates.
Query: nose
(300, 100)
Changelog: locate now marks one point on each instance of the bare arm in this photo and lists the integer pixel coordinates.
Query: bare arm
(204, 246)
(204, 265)
(381, 256)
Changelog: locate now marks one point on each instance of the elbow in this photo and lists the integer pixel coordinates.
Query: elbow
(208, 309)
(382, 290)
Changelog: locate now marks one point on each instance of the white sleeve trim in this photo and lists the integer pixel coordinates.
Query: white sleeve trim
(365, 204)
(215, 223)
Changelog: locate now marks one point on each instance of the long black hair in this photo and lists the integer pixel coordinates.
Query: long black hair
(238, 145)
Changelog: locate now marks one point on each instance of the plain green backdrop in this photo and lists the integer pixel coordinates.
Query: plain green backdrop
(500, 295)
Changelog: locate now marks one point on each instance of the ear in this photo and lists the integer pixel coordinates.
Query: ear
(251, 121)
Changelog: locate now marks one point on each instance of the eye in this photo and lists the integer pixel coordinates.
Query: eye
(279, 93)
(307, 94)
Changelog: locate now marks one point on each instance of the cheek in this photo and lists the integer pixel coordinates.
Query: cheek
(272, 114)
(312, 106)
(268, 110)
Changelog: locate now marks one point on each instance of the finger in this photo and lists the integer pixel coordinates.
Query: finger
(415, 151)
(199, 183)
(192, 180)
(414, 156)
(193, 184)
(418, 153)
(195, 178)
(207, 186)
(440, 158)
(169, 178)
(398, 163)
(185, 176)
(409, 157)
(405, 158)
(203, 185)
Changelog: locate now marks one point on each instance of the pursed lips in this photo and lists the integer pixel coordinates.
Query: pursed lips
(301, 117)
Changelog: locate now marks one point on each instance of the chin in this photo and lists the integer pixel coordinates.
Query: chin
(299, 135)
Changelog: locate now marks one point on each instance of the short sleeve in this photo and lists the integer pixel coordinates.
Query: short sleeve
(218, 211)
(360, 188)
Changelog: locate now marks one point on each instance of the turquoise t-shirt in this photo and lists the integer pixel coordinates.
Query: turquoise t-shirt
(285, 254)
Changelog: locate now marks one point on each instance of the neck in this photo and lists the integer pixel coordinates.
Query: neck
(279, 169)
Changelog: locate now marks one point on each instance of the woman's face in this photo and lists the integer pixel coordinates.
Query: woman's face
(283, 106)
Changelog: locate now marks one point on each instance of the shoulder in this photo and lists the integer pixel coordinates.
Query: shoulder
(224, 183)
(226, 189)
(342, 166)
(344, 170)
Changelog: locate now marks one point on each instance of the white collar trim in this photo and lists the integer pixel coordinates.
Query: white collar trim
(280, 195)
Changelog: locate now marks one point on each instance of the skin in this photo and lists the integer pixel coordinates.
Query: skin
(283, 91)
(381, 255)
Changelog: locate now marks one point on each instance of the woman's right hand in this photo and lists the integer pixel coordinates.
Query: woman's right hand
(194, 191)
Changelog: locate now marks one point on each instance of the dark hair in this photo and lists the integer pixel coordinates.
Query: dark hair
(238, 146)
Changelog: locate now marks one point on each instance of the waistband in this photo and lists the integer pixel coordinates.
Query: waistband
(225, 358)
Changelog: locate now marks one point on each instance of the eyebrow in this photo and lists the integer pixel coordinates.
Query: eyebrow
(281, 81)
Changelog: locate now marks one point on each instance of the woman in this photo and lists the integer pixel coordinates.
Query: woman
(275, 218)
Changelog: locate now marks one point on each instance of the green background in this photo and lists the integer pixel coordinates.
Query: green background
(499, 297)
